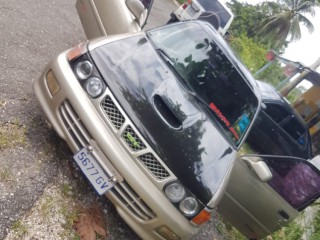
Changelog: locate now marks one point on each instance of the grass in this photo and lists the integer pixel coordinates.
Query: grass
(46, 207)
(19, 228)
(71, 215)
(5, 174)
(67, 190)
(12, 134)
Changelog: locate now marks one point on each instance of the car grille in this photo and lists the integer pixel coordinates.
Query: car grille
(112, 112)
(150, 162)
(81, 138)
(132, 139)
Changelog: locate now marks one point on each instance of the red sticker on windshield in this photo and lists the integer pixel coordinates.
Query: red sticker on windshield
(220, 115)
(224, 119)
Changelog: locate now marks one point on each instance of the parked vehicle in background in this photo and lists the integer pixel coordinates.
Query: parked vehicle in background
(279, 128)
(266, 193)
(155, 121)
(101, 17)
(212, 11)
(308, 106)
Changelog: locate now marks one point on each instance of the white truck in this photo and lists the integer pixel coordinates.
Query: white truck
(213, 11)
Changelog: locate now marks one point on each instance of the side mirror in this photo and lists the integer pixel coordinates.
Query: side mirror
(259, 167)
(263, 106)
(138, 10)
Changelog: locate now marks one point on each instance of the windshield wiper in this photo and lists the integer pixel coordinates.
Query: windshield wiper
(165, 56)
(172, 64)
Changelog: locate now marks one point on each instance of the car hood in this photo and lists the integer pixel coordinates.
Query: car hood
(174, 125)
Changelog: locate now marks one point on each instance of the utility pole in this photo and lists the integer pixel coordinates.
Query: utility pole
(291, 85)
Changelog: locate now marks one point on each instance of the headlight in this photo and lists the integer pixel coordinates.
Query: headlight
(94, 86)
(84, 69)
(175, 192)
(189, 206)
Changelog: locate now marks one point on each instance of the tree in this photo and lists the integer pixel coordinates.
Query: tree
(251, 53)
(246, 18)
(250, 47)
(285, 19)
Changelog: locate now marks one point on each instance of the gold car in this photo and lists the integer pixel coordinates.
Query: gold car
(155, 120)
(109, 17)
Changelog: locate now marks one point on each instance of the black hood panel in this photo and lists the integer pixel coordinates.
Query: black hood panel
(170, 120)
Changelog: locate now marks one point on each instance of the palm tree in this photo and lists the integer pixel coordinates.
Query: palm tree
(285, 19)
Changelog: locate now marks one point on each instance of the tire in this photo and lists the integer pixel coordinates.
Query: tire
(211, 18)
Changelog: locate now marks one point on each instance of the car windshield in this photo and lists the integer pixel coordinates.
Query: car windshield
(208, 73)
(216, 7)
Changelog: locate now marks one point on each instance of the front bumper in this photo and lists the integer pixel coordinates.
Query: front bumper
(81, 122)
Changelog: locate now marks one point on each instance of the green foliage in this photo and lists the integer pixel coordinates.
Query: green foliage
(272, 75)
(285, 19)
(19, 228)
(251, 53)
(246, 18)
(251, 47)
(315, 227)
(293, 232)
(226, 230)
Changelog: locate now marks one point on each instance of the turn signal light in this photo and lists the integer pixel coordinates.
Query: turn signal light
(202, 217)
(77, 51)
(167, 233)
(52, 83)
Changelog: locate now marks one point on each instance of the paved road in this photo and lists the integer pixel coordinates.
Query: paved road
(31, 32)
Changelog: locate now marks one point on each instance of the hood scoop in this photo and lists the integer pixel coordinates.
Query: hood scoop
(166, 112)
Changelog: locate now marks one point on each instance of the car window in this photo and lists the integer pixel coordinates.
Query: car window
(295, 180)
(276, 112)
(287, 121)
(216, 7)
(295, 130)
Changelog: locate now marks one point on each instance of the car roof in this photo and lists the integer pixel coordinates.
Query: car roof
(268, 92)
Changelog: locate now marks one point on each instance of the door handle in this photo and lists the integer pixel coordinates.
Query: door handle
(284, 215)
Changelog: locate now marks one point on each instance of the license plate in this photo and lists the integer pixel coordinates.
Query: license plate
(93, 171)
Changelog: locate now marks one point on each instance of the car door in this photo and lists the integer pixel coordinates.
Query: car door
(279, 130)
(108, 17)
(267, 192)
(293, 125)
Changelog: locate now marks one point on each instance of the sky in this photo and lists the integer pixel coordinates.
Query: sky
(307, 49)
